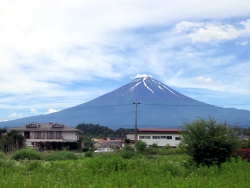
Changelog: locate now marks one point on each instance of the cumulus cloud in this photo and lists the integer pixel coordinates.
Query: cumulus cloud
(206, 32)
(33, 110)
(203, 79)
(51, 110)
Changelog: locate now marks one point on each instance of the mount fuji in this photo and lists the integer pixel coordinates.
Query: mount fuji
(160, 106)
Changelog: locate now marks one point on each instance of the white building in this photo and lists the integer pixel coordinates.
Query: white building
(161, 137)
(50, 132)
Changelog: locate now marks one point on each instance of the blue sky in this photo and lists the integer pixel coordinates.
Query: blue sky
(58, 54)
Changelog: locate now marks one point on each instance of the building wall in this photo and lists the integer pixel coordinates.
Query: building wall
(66, 136)
(160, 141)
(70, 136)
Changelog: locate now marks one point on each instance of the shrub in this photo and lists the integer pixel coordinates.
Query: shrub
(128, 147)
(88, 154)
(29, 154)
(166, 147)
(207, 142)
(153, 149)
(140, 146)
(171, 151)
(2, 155)
(127, 154)
(60, 156)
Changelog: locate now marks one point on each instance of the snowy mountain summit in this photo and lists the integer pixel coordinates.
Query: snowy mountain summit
(147, 89)
(160, 106)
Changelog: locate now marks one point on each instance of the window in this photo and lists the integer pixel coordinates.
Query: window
(169, 137)
(177, 138)
(37, 135)
(58, 135)
(144, 137)
(163, 137)
(156, 137)
(50, 135)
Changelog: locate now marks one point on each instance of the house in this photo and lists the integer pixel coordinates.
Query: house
(110, 142)
(47, 132)
(161, 137)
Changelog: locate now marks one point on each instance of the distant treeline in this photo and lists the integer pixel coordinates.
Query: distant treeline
(97, 131)
(239, 130)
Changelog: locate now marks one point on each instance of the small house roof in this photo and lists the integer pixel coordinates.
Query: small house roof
(46, 127)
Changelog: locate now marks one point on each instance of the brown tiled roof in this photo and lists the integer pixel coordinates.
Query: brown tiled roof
(46, 127)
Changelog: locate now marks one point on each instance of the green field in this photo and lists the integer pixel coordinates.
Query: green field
(111, 170)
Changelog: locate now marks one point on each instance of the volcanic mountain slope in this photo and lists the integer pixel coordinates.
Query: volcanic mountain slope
(160, 106)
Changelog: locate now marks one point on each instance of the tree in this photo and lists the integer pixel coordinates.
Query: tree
(140, 146)
(88, 143)
(208, 142)
(11, 141)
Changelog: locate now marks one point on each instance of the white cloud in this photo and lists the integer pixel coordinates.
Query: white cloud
(5, 120)
(242, 43)
(142, 75)
(33, 110)
(184, 26)
(203, 79)
(206, 32)
(214, 32)
(51, 110)
(47, 47)
(16, 115)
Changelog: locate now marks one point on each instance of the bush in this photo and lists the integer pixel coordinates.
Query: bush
(29, 154)
(166, 147)
(60, 156)
(171, 151)
(88, 154)
(2, 155)
(127, 154)
(140, 146)
(153, 149)
(127, 147)
(207, 142)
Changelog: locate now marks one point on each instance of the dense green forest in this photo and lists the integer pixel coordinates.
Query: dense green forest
(97, 131)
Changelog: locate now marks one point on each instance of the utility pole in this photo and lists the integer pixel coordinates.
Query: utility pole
(136, 104)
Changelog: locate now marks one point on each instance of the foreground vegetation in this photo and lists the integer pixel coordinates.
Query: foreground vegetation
(112, 170)
(204, 159)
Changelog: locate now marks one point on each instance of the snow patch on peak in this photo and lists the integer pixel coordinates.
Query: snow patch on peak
(146, 84)
(168, 89)
(132, 88)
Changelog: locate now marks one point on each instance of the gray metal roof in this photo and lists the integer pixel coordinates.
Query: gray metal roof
(46, 127)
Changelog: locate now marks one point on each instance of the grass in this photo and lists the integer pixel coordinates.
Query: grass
(111, 170)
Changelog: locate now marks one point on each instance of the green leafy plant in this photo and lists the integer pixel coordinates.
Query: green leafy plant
(88, 154)
(29, 154)
(208, 142)
(60, 156)
(140, 146)
(2, 155)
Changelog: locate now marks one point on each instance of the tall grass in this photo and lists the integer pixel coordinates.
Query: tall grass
(111, 170)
